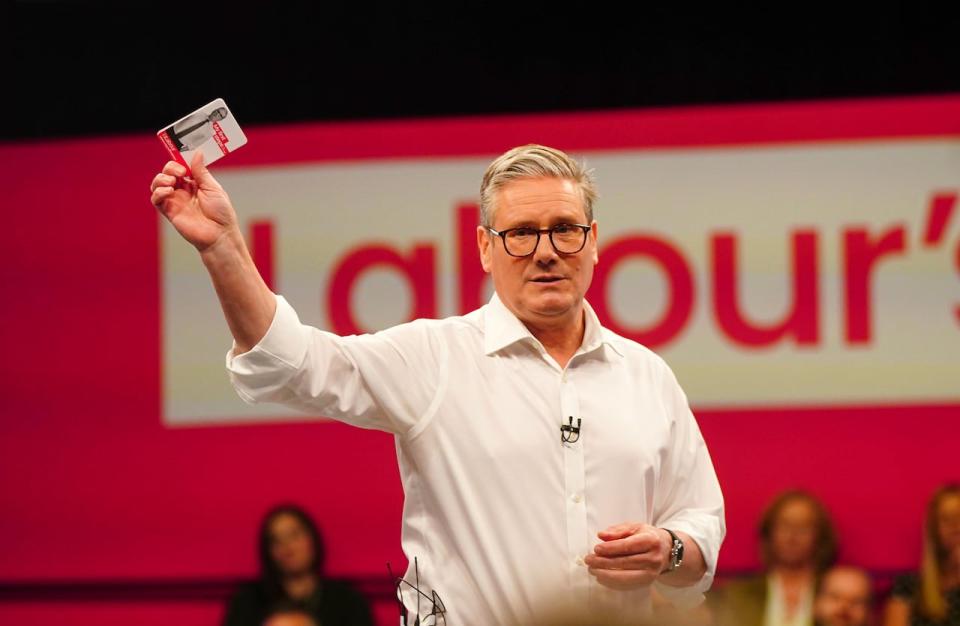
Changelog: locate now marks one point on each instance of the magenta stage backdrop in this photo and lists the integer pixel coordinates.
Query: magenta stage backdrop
(107, 478)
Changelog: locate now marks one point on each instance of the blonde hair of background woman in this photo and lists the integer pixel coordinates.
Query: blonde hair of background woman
(930, 601)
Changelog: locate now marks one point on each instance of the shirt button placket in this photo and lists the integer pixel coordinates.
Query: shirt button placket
(574, 486)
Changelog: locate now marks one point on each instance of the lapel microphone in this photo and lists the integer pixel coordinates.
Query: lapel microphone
(570, 433)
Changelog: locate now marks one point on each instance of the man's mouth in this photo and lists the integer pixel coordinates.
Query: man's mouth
(546, 278)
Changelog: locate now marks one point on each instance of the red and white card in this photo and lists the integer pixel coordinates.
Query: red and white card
(212, 129)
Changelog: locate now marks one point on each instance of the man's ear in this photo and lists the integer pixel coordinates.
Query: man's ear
(485, 245)
(593, 237)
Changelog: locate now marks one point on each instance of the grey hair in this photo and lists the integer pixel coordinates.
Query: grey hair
(534, 161)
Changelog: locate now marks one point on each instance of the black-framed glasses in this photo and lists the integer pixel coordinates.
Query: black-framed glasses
(523, 241)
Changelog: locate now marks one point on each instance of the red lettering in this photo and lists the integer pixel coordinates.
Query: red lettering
(802, 322)
(222, 136)
(220, 139)
(678, 274)
(418, 268)
(261, 249)
(939, 212)
(472, 276)
(957, 259)
(172, 149)
(861, 254)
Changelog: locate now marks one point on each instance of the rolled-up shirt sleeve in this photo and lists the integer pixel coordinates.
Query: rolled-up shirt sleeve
(688, 496)
(385, 381)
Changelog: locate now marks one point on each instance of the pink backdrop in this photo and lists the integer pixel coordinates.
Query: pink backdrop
(94, 488)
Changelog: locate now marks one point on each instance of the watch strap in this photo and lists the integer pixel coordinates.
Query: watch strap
(676, 552)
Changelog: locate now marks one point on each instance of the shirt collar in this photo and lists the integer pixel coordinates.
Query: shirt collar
(502, 328)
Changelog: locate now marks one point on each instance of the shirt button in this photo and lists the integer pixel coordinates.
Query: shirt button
(579, 560)
(577, 498)
(563, 376)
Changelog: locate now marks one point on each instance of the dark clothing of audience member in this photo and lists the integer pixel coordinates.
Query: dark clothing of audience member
(741, 602)
(933, 595)
(907, 589)
(292, 554)
(748, 602)
(334, 602)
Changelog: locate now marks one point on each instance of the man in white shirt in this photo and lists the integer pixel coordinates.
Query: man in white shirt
(543, 458)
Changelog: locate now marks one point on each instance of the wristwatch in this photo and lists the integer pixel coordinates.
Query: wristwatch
(676, 552)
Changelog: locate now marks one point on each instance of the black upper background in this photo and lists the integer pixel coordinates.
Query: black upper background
(83, 68)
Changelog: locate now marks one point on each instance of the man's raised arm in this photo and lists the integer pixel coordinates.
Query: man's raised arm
(201, 212)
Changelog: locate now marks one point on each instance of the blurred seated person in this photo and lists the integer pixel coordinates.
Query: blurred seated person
(289, 614)
(844, 597)
(933, 595)
(798, 543)
(291, 562)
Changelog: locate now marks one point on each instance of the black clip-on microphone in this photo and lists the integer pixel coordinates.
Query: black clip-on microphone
(570, 433)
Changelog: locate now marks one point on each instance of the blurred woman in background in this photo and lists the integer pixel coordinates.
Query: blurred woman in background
(933, 596)
(292, 554)
(798, 543)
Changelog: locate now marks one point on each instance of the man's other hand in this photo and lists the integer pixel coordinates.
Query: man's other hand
(630, 555)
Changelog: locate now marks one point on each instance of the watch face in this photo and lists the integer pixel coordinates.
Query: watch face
(676, 553)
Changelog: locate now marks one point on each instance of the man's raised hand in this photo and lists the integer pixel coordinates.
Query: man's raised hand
(198, 207)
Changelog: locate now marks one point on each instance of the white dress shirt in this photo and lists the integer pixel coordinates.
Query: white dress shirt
(498, 511)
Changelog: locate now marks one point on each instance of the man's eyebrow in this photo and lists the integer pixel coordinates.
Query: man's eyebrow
(527, 223)
(530, 223)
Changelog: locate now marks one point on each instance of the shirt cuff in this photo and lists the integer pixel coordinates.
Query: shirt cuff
(274, 359)
(691, 596)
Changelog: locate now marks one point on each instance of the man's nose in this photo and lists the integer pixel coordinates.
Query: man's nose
(544, 252)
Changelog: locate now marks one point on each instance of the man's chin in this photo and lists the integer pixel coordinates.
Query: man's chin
(554, 306)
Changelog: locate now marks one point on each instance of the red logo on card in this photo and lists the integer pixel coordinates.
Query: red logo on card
(172, 149)
(220, 137)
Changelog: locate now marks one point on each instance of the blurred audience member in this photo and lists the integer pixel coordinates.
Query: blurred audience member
(798, 543)
(288, 614)
(291, 564)
(844, 598)
(933, 596)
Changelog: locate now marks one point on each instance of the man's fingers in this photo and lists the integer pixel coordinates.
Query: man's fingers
(163, 180)
(197, 166)
(200, 172)
(645, 561)
(608, 535)
(634, 544)
(618, 531)
(172, 168)
(160, 194)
